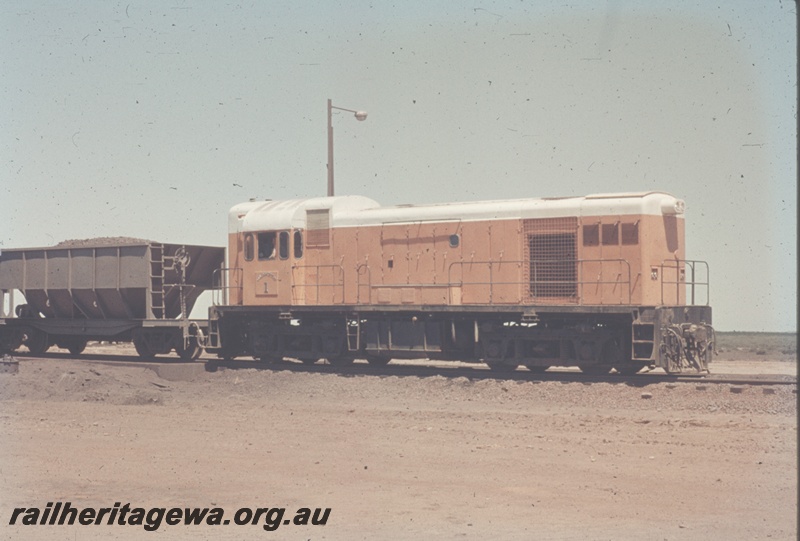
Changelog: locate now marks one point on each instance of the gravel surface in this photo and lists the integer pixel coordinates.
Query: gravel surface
(399, 457)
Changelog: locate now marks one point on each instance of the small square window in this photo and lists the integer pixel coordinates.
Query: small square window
(630, 234)
(610, 234)
(455, 240)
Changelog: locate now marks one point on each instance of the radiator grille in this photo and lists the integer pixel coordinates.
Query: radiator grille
(551, 258)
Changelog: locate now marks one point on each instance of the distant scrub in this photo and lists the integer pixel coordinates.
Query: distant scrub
(759, 343)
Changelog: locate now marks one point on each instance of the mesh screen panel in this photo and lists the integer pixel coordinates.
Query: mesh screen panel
(551, 258)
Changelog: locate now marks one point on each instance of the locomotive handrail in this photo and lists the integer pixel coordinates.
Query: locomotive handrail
(616, 282)
(692, 286)
(221, 284)
(359, 268)
(318, 284)
(571, 291)
(528, 287)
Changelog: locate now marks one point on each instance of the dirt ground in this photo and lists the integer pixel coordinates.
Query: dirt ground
(402, 457)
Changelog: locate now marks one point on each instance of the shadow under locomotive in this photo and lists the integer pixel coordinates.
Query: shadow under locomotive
(472, 372)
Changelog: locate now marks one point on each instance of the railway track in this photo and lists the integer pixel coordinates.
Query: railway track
(473, 371)
(480, 372)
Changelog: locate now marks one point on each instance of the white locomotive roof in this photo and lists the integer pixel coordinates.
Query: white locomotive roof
(291, 214)
(352, 211)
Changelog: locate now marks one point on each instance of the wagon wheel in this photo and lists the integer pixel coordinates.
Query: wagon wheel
(378, 360)
(76, 346)
(37, 342)
(190, 352)
(10, 342)
(142, 348)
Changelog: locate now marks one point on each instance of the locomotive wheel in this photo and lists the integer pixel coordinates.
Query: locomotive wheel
(502, 367)
(628, 369)
(537, 369)
(595, 369)
(37, 342)
(339, 361)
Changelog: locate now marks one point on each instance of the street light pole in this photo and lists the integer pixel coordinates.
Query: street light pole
(360, 115)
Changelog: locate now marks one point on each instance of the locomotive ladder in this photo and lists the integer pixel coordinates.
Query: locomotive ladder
(353, 333)
(213, 331)
(157, 280)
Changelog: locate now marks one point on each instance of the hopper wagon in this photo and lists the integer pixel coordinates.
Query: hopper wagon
(140, 292)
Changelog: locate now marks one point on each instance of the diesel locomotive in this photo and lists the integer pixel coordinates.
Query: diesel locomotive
(600, 282)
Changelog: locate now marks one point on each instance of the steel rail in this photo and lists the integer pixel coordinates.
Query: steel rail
(476, 371)
(481, 372)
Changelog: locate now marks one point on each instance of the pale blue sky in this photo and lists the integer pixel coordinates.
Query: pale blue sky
(151, 119)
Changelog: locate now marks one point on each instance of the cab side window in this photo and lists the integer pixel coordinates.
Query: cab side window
(266, 246)
(283, 247)
(298, 244)
(248, 247)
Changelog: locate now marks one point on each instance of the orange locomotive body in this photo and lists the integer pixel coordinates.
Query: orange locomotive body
(599, 282)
